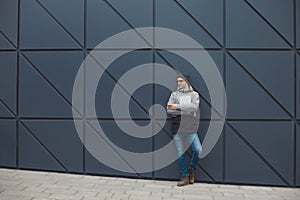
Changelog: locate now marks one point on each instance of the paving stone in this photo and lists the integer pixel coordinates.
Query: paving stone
(233, 194)
(14, 197)
(160, 194)
(120, 196)
(228, 198)
(25, 194)
(58, 187)
(257, 196)
(64, 196)
(143, 197)
(192, 196)
(137, 192)
(256, 188)
(172, 198)
(60, 191)
(175, 191)
(104, 195)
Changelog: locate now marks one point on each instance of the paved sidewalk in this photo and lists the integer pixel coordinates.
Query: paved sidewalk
(23, 184)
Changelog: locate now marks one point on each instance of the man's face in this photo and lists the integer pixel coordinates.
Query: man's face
(181, 83)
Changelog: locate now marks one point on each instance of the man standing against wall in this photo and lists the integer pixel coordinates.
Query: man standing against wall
(183, 105)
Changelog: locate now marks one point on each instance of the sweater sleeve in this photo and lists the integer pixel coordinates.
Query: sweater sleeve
(173, 99)
(190, 107)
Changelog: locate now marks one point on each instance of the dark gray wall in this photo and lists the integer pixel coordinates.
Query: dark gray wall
(255, 44)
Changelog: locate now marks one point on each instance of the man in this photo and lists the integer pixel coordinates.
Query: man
(183, 106)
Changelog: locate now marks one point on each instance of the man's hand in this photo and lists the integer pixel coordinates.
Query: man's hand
(172, 106)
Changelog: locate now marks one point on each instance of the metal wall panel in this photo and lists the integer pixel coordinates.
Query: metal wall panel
(298, 155)
(249, 144)
(8, 84)
(8, 143)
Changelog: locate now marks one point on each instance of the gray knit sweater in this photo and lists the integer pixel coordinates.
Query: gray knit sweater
(185, 119)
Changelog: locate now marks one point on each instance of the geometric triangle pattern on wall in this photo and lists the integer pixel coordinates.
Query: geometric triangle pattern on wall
(240, 155)
(93, 165)
(9, 22)
(8, 83)
(246, 98)
(35, 33)
(8, 143)
(280, 17)
(169, 14)
(60, 68)
(33, 154)
(38, 98)
(68, 149)
(129, 12)
(258, 136)
(254, 44)
(211, 21)
(274, 71)
(4, 111)
(5, 43)
(100, 15)
(71, 18)
(249, 30)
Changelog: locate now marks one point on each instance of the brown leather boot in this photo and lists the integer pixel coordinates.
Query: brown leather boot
(184, 180)
(191, 176)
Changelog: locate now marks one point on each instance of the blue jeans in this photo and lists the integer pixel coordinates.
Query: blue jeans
(194, 141)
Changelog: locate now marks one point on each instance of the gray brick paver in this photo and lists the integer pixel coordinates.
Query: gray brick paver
(26, 194)
(58, 191)
(56, 187)
(231, 194)
(173, 191)
(256, 188)
(104, 195)
(120, 196)
(151, 190)
(172, 198)
(63, 197)
(136, 192)
(14, 197)
(160, 194)
(192, 196)
(228, 198)
(85, 189)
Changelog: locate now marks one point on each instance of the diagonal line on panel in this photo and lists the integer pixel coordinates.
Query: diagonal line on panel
(113, 149)
(7, 107)
(261, 85)
(44, 146)
(258, 154)
(10, 42)
(205, 100)
(50, 84)
(204, 170)
(267, 21)
(124, 89)
(59, 24)
(128, 23)
(198, 23)
(116, 81)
